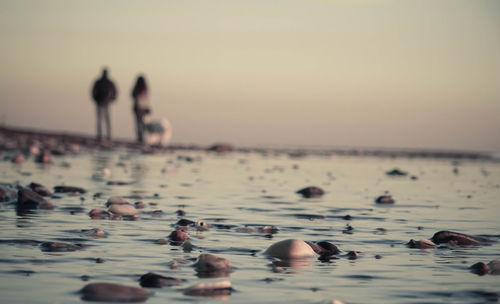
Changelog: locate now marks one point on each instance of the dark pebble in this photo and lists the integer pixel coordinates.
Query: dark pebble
(60, 247)
(479, 268)
(69, 189)
(157, 281)
(456, 238)
(29, 200)
(310, 192)
(40, 189)
(109, 292)
(384, 199)
(396, 172)
(185, 222)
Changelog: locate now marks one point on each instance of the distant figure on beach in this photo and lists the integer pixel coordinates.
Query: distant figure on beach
(141, 106)
(103, 93)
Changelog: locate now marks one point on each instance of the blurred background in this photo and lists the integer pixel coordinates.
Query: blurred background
(356, 73)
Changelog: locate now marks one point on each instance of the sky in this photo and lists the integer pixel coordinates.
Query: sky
(341, 73)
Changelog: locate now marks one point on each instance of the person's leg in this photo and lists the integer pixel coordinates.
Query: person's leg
(108, 124)
(99, 116)
(140, 125)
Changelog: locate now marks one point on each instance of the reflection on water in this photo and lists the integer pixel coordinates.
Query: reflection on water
(249, 202)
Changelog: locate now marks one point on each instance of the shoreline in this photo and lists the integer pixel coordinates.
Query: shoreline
(19, 139)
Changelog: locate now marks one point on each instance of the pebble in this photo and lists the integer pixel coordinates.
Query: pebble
(161, 242)
(60, 247)
(353, 255)
(213, 289)
(202, 226)
(99, 214)
(40, 189)
(492, 268)
(140, 205)
(45, 157)
(117, 200)
(384, 199)
(110, 292)
(177, 237)
(396, 172)
(458, 239)
(157, 281)
(28, 200)
(18, 159)
(95, 232)
(327, 248)
(422, 244)
(69, 189)
(290, 249)
(209, 265)
(123, 210)
(311, 192)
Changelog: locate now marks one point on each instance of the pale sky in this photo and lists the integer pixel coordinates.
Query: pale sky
(357, 73)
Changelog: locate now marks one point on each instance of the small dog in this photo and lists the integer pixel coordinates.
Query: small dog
(158, 132)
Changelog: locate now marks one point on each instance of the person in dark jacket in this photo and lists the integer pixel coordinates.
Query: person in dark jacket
(103, 93)
(141, 106)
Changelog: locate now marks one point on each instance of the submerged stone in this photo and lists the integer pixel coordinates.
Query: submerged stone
(45, 157)
(69, 189)
(209, 265)
(60, 247)
(396, 172)
(479, 268)
(40, 189)
(384, 199)
(310, 192)
(458, 239)
(422, 244)
(215, 289)
(118, 200)
(109, 292)
(29, 200)
(123, 210)
(157, 281)
(290, 249)
(177, 237)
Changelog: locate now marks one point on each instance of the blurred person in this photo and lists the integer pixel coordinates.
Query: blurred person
(104, 93)
(141, 106)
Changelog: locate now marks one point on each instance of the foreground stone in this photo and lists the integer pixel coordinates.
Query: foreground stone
(310, 192)
(30, 200)
(40, 189)
(458, 239)
(216, 289)
(422, 244)
(69, 189)
(109, 292)
(209, 265)
(157, 281)
(290, 249)
(117, 200)
(60, 247)
(481, 268)
(384, 199)
(123, 210)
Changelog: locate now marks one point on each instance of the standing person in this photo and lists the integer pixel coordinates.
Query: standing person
(141, 106)
(103, 93)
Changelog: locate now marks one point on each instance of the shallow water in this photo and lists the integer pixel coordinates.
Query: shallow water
(238, 190)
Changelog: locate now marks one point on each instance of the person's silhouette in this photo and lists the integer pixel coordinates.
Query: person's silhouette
(141, 106)
(103, 93)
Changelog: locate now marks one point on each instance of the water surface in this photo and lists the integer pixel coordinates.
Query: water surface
(239, 190)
